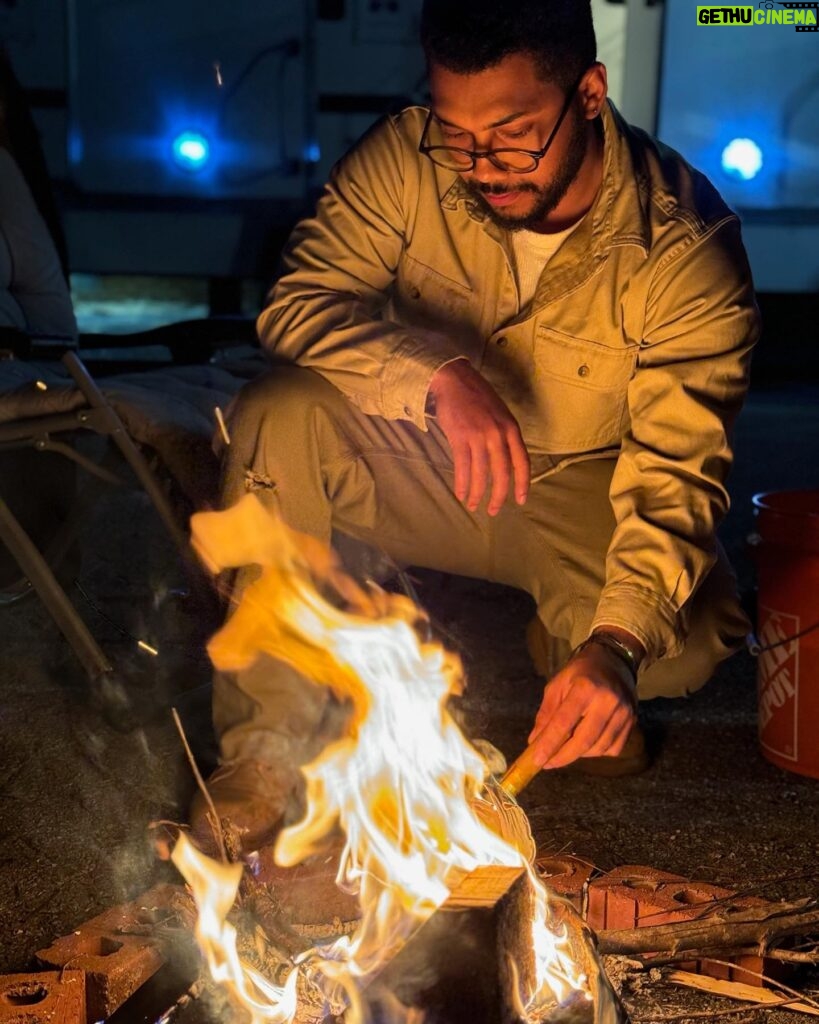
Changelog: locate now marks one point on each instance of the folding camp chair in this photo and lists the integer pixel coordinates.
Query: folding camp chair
(49, 402)
(168, 411)
(94, 414)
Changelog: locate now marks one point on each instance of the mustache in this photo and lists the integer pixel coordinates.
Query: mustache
(500, 190)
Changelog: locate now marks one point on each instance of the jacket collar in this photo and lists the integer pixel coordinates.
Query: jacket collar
(617, 216)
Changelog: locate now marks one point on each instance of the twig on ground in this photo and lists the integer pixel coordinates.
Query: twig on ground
(768, 880)
(794, 956)
(760, 927)
(713, 952)
(792, 1000)
(215, 823)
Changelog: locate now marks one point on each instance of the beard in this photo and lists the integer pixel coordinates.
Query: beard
(548, 196)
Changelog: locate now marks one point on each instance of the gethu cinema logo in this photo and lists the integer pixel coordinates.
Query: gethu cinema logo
(801, 15)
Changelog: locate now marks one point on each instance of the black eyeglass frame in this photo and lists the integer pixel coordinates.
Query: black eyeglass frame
(490, 154)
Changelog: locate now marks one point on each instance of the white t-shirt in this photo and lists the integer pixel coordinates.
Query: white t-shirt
(34, 296)
(533, 251)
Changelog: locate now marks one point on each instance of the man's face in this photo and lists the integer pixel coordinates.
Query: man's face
(509, 106)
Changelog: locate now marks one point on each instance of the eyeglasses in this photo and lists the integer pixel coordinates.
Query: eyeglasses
(518, 161)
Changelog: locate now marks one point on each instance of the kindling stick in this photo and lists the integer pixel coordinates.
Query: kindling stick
(520, 773)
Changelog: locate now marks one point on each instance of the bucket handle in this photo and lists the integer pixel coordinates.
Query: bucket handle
(755, 648)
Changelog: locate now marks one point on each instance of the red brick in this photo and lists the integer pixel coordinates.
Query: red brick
(52, 997)
(149, 908)
(115, 962)
(567, 876)
(115, 966)
(633, 896)
(630, 896)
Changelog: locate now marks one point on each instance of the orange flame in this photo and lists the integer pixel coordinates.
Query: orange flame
(214, 887)
(406, 787)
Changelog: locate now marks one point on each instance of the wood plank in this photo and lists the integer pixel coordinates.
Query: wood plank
(738, 990)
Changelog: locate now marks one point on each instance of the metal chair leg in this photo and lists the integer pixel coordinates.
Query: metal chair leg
(97, 400)
(34, 566)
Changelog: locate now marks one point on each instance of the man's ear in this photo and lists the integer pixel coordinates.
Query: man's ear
(593, 89)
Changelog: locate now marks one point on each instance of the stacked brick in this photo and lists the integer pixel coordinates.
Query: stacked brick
(96, 968)
(635, 896)
(101, 965)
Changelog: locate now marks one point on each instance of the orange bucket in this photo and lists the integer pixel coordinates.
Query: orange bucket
(787, 557)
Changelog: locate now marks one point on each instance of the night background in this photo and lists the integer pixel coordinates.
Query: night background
(171, 147)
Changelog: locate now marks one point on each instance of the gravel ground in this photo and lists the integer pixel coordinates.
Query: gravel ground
(76, 795)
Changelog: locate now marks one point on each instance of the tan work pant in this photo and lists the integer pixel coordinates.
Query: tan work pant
(390, 484)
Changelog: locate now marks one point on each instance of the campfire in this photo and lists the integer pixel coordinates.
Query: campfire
(452, 923)
(451, 912)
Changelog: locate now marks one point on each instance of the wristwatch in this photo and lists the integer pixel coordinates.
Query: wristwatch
(617, 647)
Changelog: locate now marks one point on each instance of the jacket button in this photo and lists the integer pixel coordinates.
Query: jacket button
(414, 293)
(583, 371)
(407, 411)
(502, 341)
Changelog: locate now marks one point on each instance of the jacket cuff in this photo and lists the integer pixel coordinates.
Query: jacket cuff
(408, 373)
(651, 618)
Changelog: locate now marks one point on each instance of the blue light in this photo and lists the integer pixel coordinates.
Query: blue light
(76, 148)
(191, 151)
(742, 158)
(312, 153)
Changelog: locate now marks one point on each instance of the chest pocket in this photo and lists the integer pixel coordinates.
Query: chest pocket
(428, 298)
(578, 396)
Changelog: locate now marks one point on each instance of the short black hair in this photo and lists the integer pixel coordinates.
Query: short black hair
(467, 36)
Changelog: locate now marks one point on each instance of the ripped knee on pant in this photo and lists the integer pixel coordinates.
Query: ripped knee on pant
(255, 481)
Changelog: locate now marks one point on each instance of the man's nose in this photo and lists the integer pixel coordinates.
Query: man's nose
(486, 172)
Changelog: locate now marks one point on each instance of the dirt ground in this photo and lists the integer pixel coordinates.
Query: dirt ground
(76, 794)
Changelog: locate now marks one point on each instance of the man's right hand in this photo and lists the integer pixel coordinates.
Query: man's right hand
(487, 446)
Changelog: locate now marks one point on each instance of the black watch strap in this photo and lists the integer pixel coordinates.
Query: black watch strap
(616, 646)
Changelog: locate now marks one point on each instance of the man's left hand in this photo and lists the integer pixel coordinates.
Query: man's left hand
(588, 709)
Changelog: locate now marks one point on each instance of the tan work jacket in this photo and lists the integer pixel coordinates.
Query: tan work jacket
(637, 340)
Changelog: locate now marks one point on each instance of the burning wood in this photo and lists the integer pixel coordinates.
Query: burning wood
(462, 940)
(472, 958)
(414, 826)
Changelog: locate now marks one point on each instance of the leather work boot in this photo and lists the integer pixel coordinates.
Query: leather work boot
(252, 795)
(549, 654)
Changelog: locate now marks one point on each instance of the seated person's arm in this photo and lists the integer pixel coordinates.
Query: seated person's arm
(34, 296)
